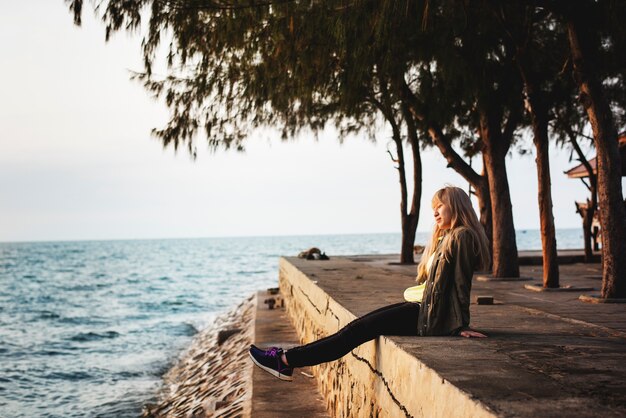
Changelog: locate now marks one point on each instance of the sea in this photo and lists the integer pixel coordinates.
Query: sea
(88, 328)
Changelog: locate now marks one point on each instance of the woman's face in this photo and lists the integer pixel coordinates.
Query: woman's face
(443, 215)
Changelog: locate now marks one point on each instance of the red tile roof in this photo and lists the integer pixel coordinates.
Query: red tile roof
(580, 171)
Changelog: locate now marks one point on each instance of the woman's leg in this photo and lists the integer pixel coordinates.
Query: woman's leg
(397, 319)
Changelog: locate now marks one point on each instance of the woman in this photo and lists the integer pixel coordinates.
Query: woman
(457, 248)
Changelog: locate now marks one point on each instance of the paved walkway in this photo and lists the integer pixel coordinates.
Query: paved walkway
(548, 355)
(273, 398)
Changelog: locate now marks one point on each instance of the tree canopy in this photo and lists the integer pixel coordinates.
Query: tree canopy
(478, 73)
(234, 65)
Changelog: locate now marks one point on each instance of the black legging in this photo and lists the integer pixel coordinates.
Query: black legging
(396, 319)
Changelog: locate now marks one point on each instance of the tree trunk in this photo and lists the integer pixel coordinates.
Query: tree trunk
(610, 198)
(587, 232)
(408, 219)
(409, 226)
(538, 109)
(477, 181)
(504, 255)
(455, 161)
(407, 222)
(548, 235)
(592, 203)
(414, 212)
(484, 203)
(484, 206)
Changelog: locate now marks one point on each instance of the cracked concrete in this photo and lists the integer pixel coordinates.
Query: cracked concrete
(548, 353)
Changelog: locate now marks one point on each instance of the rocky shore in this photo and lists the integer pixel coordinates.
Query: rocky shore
(212, 378)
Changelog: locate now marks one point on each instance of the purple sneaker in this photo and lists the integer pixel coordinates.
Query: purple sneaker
(270, 361)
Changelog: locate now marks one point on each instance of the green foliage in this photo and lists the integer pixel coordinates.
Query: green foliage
(235, 65)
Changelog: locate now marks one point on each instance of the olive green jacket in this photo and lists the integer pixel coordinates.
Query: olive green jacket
(445, 305)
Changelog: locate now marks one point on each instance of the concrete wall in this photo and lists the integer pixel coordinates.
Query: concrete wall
(377, 379)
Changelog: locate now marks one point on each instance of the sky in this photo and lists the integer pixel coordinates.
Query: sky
(77, 160)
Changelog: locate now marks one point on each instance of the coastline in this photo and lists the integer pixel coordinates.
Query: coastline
(212, 377)
(536, 351)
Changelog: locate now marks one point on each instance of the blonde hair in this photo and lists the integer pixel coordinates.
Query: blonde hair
(463, 219)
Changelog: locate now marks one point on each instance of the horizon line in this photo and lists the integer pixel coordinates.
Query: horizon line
(33, 241)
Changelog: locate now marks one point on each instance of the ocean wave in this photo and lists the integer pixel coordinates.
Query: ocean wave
(52, 353)
(127, 374)
(75, 251)
(82, 320)
(47, 315)
(94, 336)
(119, 407)
(248, 272)
(69, 376)
(185, 329)
(80, 288)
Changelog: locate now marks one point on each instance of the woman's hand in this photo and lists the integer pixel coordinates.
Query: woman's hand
(468, 333)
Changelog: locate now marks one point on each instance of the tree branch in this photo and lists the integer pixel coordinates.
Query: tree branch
(454, 160)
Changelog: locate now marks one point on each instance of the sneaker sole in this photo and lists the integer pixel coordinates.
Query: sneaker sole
(271, 371)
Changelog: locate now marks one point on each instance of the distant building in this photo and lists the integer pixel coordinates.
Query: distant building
(580, 172)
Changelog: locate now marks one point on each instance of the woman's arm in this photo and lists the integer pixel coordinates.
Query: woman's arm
(468, 333)
(464, 263)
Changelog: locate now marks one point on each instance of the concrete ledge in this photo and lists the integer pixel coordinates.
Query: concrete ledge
(547, 355)
(535, 257)
(538, 287)
(379, 378)
(600, 299)
(490, 278)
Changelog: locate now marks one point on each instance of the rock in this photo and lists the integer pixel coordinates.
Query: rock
(484, 300)
(313, 253)
(270, 303)
(309, 253)
(223, 335)
(221, 404)
(275, 302)
(214, 373)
